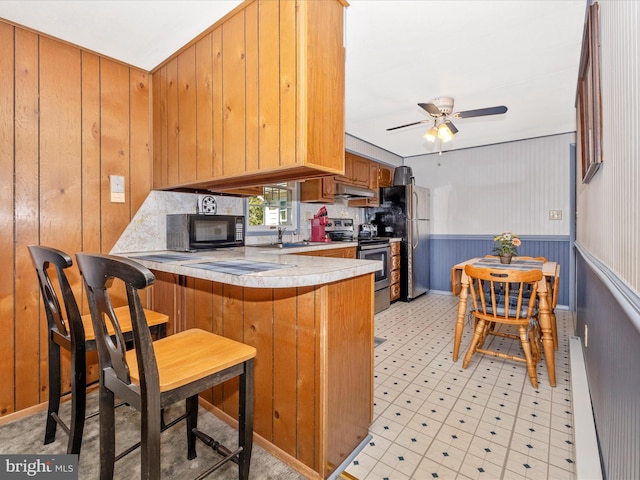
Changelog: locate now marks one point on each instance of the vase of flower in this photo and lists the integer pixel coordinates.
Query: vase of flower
(506, 259)
(506, 246)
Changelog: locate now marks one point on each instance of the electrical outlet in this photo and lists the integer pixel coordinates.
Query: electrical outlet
(117, 188)
(555, 214)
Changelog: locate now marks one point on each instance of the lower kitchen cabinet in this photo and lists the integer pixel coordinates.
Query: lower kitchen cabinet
(395, 271)
(346, 252)
(314, 363)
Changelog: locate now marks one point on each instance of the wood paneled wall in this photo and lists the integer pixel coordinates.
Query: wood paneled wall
(68, 120)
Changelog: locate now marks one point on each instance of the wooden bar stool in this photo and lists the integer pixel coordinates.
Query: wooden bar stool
(73, 332)
(157, 374)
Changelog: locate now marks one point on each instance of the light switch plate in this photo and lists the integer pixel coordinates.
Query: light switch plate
(117, 188)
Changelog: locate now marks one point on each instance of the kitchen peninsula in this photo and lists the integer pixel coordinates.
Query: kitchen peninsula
(311, 321)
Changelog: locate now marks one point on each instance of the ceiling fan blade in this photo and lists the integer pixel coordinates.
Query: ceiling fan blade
(431, 109)
(451, 126)
(407, 125)
(481, 112)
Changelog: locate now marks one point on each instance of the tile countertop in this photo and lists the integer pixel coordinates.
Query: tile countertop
(256, 267)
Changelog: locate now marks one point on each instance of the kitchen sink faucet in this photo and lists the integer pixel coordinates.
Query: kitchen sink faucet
(281, 231)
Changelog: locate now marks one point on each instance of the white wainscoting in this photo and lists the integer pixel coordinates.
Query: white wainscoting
(496, 188)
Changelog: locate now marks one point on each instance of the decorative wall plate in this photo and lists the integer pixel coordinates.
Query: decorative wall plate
(207, 205)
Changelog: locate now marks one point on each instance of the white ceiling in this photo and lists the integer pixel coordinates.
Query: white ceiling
(522, 54)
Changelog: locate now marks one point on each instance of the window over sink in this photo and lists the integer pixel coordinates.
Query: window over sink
(276, 207)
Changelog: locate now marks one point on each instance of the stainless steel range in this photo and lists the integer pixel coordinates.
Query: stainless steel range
(370, 247)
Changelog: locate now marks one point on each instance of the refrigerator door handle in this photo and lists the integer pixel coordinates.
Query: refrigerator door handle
(415, 234)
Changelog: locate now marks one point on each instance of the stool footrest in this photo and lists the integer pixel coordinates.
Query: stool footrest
(60, 422)
(227, 454)
(217, 446)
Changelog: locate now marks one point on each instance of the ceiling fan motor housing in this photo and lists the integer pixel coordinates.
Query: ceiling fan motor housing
(444, 104)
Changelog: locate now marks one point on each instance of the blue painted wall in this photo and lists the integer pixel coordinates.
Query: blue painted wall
(611, 309)
(448, 250)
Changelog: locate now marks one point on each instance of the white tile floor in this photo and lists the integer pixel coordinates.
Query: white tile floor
(432, 419)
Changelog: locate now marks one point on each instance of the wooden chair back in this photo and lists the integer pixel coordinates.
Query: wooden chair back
(503, 294)
(63, 318)
(187, 362)
(98, 272)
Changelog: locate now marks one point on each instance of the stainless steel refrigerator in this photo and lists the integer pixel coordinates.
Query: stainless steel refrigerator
(404, 213)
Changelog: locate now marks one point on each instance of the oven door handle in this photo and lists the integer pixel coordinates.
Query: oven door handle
(379, 246)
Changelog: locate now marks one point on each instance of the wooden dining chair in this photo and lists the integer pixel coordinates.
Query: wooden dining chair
(157, 374)
(70, 330)
(552, 288)
(505, 297)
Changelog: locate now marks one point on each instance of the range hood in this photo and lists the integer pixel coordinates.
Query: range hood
(344, 190)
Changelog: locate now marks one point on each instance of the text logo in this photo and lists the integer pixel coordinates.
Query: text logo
(49, 467)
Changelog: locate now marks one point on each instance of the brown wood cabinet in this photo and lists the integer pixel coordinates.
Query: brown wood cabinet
(358, 171)
(385, 175)
(345, 252)
(317, 412)
(318, 190)
(244, 104)
(395, 271)
(374, 169)
(380, 175)
(241, 191)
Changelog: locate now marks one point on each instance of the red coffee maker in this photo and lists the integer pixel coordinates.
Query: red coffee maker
(318, 223)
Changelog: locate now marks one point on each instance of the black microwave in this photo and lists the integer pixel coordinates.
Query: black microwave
(191, 231)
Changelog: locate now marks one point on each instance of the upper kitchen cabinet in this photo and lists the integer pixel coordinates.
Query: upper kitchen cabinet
(385, 175)
(257, 98)
(356, 170)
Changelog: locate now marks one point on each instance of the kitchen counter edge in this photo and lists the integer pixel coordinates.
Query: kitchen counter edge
(296, 271)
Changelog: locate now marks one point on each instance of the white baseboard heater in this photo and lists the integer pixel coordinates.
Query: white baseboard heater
(586, 442)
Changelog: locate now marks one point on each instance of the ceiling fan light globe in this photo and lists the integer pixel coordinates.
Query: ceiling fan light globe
(431, 134)
(444, 134)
